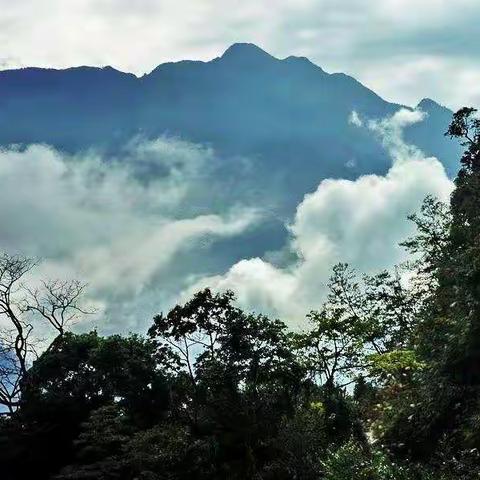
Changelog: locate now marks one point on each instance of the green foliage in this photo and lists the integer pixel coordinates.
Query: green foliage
(445, 394)
(80, 373)
(77, 375)
(431, 239)
(394, 366)
(241, 376)
(303, 439)
(353, 461)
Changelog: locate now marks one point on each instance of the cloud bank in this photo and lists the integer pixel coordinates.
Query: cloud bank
(106, 222)
(146, 229)
(360, 222)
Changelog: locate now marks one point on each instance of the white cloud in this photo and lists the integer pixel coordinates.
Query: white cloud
(131, 235)
(102, 221)
(450, 79)
(360, 222)
(355, 119)
(258, 286)
(390, 131)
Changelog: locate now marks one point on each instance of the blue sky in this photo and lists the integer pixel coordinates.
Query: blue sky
(403, 49)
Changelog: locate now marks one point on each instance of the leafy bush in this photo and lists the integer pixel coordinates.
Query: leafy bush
(353, 461)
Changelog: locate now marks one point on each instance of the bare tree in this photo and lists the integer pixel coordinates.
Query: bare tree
(56, 303)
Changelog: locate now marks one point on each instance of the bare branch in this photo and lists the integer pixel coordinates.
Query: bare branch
(57, 302)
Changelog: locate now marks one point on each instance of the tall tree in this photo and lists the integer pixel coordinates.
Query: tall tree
(242, 376)
(442, 408)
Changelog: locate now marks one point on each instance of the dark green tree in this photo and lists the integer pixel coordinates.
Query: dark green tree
(242, 377)
(441, 416)
(76, 376)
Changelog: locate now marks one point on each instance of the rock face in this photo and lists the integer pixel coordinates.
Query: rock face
(288, 116)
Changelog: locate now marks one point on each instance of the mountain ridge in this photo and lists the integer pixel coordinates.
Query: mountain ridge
(288, 114)
(234, 48)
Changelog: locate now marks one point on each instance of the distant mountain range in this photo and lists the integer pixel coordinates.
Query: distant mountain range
(289, 116)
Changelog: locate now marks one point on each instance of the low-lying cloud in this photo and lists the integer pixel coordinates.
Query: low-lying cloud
(360, 222)
(143, 228)
(108, 221)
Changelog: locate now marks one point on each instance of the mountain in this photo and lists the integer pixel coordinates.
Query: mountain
(429, 134)
(288, 116)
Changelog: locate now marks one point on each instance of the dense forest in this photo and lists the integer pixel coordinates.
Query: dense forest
(384, 384)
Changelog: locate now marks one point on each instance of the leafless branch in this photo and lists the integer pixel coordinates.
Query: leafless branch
(56, 302)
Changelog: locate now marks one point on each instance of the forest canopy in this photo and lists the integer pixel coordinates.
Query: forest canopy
(384, 384)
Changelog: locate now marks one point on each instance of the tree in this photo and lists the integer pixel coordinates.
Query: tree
(242, 376)
(78, 375)
(359, 318)
(439, 415)
(460, 275)
(56, 303)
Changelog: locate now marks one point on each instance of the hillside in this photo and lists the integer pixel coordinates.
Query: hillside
(289, 117)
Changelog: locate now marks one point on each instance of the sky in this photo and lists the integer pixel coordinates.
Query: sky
(405, 50)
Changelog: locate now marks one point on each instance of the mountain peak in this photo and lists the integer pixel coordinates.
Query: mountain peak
(245, 52)
(428, 104)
